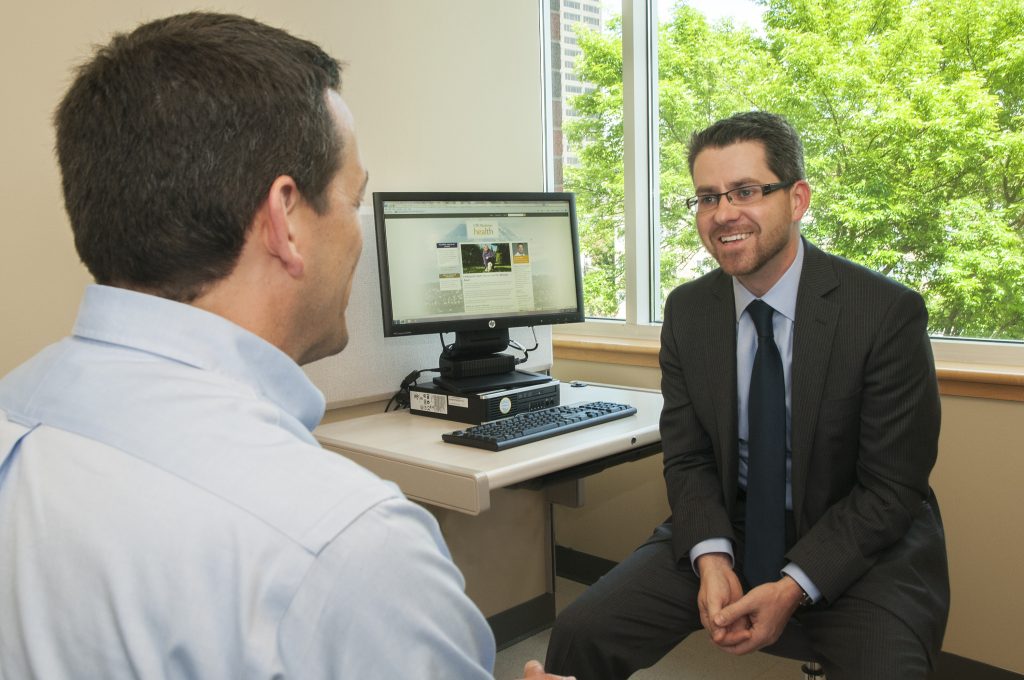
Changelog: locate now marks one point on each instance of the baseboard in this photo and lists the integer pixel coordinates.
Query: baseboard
(953, 667)
(523, 620)
(579, 566)
(584, 568)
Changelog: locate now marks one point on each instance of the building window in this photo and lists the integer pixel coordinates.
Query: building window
(913, 136)
(583, 123)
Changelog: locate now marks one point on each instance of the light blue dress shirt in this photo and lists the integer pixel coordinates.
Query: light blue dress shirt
(782, 298)
(165, 512)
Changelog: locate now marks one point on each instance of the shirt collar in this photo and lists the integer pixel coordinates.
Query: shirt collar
(782, 296)
(198, 338)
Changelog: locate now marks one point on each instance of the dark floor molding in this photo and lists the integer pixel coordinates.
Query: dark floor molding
(523, 620)
(579, 566)
(587, 569)
(953, 667)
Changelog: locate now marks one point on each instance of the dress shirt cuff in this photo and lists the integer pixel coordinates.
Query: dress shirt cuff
(803, 580)
(711, 545)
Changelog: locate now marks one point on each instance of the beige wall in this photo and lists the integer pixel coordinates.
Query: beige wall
(436, 89)
(978, 479)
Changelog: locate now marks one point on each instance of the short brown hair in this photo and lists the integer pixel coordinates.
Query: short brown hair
(170, 137)
(784, 152)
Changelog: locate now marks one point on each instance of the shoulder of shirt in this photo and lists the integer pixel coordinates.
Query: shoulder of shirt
(197, 429)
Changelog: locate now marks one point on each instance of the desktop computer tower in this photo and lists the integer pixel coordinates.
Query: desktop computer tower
(436, 402)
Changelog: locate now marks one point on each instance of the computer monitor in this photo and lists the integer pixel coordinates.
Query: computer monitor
(477, 264)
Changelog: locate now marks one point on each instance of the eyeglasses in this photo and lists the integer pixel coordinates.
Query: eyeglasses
(705, 203)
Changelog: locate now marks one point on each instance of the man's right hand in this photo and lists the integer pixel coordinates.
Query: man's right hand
(720, 587)
(535, 671)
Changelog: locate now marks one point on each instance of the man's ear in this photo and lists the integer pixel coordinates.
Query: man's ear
(800, 199)
(281, 210)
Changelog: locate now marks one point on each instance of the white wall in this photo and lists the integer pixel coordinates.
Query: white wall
(447, 95)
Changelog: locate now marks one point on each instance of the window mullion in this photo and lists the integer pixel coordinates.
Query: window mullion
(637, 103)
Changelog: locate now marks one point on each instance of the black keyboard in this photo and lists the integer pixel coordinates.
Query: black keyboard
(524, 428)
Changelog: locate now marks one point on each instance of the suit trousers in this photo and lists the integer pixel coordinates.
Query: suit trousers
(646, 605)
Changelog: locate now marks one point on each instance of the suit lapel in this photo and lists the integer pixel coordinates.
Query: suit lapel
(720, 351)
(816, 319)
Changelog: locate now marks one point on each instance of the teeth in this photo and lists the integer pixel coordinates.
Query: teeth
(734, 237)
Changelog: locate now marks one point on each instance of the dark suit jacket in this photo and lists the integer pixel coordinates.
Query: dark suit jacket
(865, 426)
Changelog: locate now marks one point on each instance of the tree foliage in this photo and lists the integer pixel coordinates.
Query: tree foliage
(912, 116)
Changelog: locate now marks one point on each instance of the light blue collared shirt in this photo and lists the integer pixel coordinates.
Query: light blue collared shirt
(165, 512)
(782, 298)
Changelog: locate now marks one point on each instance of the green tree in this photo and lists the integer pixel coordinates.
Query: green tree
(911, 113)
(598, 181)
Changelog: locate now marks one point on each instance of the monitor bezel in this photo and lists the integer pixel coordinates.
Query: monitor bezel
(478, 323)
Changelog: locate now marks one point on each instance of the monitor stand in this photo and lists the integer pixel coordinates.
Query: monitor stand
(487, 383)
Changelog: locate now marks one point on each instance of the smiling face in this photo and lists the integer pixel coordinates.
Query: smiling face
(755, 243)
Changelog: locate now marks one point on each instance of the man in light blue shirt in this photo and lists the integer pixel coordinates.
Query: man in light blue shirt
(164, 509)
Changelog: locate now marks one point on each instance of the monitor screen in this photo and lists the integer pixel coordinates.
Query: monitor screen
(454, 262)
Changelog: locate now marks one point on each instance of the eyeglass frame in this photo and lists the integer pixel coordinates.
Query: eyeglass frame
(692, 203)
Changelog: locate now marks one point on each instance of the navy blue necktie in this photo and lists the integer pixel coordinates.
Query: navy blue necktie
(766, 462)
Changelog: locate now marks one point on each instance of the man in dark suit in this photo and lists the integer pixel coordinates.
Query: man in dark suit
(859, 563)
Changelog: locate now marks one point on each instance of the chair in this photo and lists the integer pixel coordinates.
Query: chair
(794, 644)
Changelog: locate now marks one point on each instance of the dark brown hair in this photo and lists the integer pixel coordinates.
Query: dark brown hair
(171, 136)
(784, 151)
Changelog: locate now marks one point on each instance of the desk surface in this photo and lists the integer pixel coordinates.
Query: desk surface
(408, 450)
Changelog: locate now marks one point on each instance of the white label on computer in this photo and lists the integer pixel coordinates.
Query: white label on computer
(431, 403)
(461, 402)
(505, 405)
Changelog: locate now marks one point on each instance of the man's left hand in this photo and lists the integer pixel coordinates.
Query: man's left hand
(768, 607)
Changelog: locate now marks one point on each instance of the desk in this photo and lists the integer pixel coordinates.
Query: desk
(408, 450)
(506, 553)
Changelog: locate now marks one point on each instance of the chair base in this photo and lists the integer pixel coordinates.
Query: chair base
(813, 671)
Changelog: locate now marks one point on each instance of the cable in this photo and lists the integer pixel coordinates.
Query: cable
(401, 397)
(525, 351)
(445, 349)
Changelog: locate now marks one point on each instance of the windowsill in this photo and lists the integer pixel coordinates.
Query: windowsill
(961, 379)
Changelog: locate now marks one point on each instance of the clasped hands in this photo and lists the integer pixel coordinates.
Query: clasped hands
(738, 623)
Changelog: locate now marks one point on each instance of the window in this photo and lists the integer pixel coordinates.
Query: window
(587, 101)
(912, 117)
